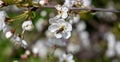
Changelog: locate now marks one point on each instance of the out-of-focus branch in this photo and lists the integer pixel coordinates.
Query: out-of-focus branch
(90, 9)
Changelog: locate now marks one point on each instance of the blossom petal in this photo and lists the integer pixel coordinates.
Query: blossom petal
(66, 35)
(58, 35)
(65, 9)
(53, 27)
(68, 27)
(64, 15)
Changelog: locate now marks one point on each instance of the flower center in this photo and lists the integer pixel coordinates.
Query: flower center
(62, 28)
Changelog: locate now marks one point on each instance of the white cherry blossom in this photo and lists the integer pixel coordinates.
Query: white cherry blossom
(27, 25)
(62, 11)
(61, 29)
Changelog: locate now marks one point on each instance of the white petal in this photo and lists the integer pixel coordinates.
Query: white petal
(86, 3)
(58, 35)
(68, 27)
(54, 19)
(58, 7)
(81, 26)
(8, 34)
(53, 28)
(66, 35)
(64, 15)
(24, 43)
(65, 9)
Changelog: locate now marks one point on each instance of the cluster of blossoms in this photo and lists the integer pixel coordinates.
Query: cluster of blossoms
(10, 33)
(59, 27)
(59, 30)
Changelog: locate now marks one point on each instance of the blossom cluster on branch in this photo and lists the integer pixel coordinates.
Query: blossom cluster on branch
(59, 31)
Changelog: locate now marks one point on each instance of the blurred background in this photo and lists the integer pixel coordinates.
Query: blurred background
(95, 36)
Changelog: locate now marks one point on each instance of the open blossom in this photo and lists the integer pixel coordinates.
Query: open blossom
(2, 19)
(66, 58)
(61, 29)
(62, 11)
(27, 25)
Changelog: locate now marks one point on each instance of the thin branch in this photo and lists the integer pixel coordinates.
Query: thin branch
(90, 9)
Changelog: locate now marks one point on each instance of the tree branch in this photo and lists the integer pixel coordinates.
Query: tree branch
(90, 9)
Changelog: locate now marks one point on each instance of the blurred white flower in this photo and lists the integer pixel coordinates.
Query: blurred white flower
(117, 47)
(27, 52)
(24, 43)
(108, 16)
(62, 11)
(109, 36)
(43, 13)
(58, 52)
(39, 24)
(40, 48)
(69, 3)
(55, 41)
(42, 2)
(35, 50)
(9, 34)
(110, 53)
(55, 20)
(86, 3)
(85, 38)
(76, 18)
(3, 15)
(7, 28)
(61, 29)
(73, 48)
(66, 58)
(81, 26)
(17, 40)
(27, 25)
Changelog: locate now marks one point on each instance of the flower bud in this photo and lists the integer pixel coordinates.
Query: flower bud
(27, 25)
